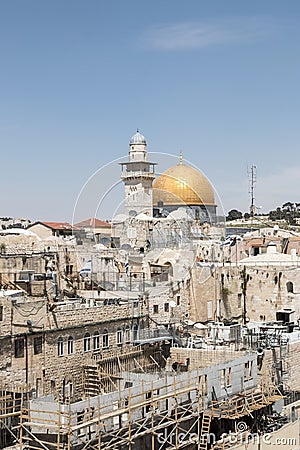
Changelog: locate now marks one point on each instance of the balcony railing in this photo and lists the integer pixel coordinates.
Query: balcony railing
(139, 173)
(152, 335)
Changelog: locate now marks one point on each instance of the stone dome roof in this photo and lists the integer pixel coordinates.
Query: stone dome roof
(137, 138)
(183, 185)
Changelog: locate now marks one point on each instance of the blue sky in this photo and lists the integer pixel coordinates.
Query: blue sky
(219, 80)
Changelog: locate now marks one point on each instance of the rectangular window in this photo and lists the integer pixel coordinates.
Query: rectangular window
(166, 307)
(69, 390)
(19, 348)
(246, 370)
(239, 300)
(209, 309)
(228, 377)
(37, 345)
(1, 313)
(250, 369)
(204, 385)
(155, 309)
(223, 377)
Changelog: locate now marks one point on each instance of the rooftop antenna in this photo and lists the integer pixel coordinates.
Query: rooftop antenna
(252, 182)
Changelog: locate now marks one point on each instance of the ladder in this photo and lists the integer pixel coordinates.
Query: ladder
(204, 437)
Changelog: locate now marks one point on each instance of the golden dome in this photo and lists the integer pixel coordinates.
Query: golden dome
(184, 185)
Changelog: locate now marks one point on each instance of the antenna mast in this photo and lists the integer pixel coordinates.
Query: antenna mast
(252, 180)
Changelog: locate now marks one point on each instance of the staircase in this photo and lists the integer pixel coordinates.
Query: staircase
(91, 382)
(206, 419)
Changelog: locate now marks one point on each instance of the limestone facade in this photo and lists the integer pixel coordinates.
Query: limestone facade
(46, 348)
(219, 292)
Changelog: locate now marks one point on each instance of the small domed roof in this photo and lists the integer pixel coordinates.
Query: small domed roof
(183, 184)
(137, 138)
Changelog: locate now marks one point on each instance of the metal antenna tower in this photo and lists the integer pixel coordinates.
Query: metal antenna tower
(252, 182)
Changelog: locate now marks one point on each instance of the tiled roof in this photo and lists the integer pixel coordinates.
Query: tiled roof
(93, 222)
(57, 225)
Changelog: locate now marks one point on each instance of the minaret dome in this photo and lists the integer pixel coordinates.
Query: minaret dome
(137, 147)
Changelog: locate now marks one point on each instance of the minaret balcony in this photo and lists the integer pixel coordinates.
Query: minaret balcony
(137, 174)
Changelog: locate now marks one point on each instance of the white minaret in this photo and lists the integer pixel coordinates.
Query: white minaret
(138, 176)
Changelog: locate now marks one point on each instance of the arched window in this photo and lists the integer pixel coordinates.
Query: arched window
(96, 340)
(70, 345)
(127, 334)
(105, 339)
(87, 342)
(134, 332)
(290, 287)
(119, 336)
(60, 346)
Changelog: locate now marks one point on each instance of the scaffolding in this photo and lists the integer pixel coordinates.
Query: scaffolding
(103, 374)
(171, 412)
(12, 401)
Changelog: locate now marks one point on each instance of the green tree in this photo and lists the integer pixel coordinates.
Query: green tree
(234, 214)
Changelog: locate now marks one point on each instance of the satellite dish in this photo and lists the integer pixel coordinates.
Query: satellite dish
(172, 304)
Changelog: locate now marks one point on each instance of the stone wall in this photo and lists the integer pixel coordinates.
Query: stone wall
(200, 358)
(43, 367)
(170, 304)
(266, 292)
(204, 292)
(68, 368)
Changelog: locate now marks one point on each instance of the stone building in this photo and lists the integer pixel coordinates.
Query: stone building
(46, 347)
(251, 289)
(47, 266)
(93, 229)
(48, 229)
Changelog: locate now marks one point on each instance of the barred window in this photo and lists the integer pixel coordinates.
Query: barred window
(19, 348)
(37, 345)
